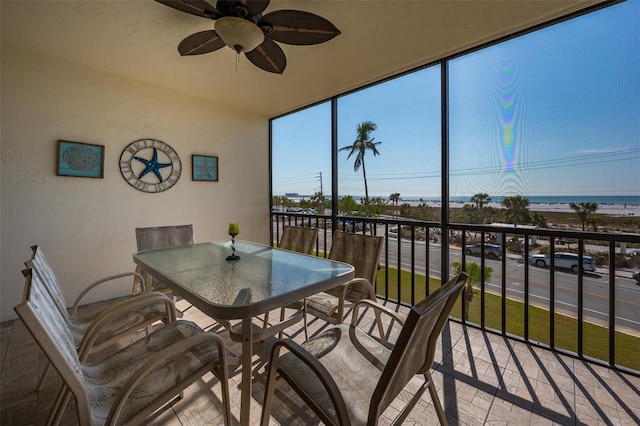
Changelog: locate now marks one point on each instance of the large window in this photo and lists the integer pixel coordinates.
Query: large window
(538, 127)
(301, 157)
(552, 116)
(405, 113)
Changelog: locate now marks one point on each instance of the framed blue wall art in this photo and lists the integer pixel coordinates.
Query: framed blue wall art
(80, 159)
(204, 168)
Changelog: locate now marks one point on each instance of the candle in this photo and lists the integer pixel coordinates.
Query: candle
(234, 229)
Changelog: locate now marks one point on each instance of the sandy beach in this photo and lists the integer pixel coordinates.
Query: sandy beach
(608, 209)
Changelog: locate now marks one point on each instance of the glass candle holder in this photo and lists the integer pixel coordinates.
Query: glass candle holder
(234, 229)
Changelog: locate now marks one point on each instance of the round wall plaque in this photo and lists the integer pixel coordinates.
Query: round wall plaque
(150, 165)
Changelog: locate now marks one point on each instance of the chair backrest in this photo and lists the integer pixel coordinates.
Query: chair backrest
(361, 251)
(297, 238)
(164, 236)
(47, 326)
(157, 237)
(48, 278)
(415, 348)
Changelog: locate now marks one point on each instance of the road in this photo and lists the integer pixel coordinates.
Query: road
(595, 285)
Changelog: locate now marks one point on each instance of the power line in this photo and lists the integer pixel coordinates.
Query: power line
(574, 161)
(528, 166)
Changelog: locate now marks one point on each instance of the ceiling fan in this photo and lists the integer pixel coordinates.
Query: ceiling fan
(240, 25)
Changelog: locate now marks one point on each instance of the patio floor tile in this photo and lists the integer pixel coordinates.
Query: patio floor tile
(481, 378)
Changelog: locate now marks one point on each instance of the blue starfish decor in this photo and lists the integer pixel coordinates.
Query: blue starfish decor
(152, 165)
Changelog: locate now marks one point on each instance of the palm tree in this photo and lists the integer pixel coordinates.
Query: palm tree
(480, 200)
(277, 201)
(346, 205)
(475, 275)
(317, 201)
(595, 222)
(584, 210)
(517, 209)
(286, 202)
(363, 143)
(394, 198)
(539, 220)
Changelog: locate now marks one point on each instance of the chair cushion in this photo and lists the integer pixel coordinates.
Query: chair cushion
(354, 359)
(322, 302)
(106, 378)
(78, 324)
(326, 302)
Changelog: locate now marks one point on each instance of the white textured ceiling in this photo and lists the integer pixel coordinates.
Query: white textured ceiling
(139, 39)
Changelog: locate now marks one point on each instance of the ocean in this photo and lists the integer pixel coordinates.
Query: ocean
(618, 205)
(566, 199)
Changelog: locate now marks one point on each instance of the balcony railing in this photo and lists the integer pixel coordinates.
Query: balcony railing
(561, 306)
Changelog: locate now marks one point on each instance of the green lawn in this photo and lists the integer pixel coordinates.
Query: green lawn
(595, 338)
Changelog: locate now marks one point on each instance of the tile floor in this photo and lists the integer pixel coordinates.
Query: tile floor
(481, 378)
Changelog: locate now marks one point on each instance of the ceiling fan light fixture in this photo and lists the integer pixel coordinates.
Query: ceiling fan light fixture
(239, 34)
(241, 25)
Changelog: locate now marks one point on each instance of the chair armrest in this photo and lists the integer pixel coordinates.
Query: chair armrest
(113, 312)
(140, 285)
(165, 357)
(344, 288)
(104, 280)
(318, 370)
(378, 309)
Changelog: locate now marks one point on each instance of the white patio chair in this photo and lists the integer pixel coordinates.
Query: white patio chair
(126, 324)
(348, 377)
(131, 384)
(361, 251)
(302, 240)
(156, 237)
(298, 238)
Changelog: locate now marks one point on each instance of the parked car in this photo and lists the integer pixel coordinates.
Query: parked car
(349, 226)
(634, 253)
(492, 251)
(564, 260)
(636, 276)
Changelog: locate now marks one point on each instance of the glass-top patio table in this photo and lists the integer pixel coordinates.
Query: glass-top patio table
(263, 279)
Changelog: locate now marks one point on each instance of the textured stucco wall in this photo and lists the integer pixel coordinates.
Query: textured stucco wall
(86, 226)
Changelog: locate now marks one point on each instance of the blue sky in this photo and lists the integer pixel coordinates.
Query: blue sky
(555, 112)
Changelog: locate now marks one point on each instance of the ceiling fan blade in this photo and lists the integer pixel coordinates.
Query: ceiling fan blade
(199, 43)
(194, 7)
(255, 7)
(297, 27)
(268, 56)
